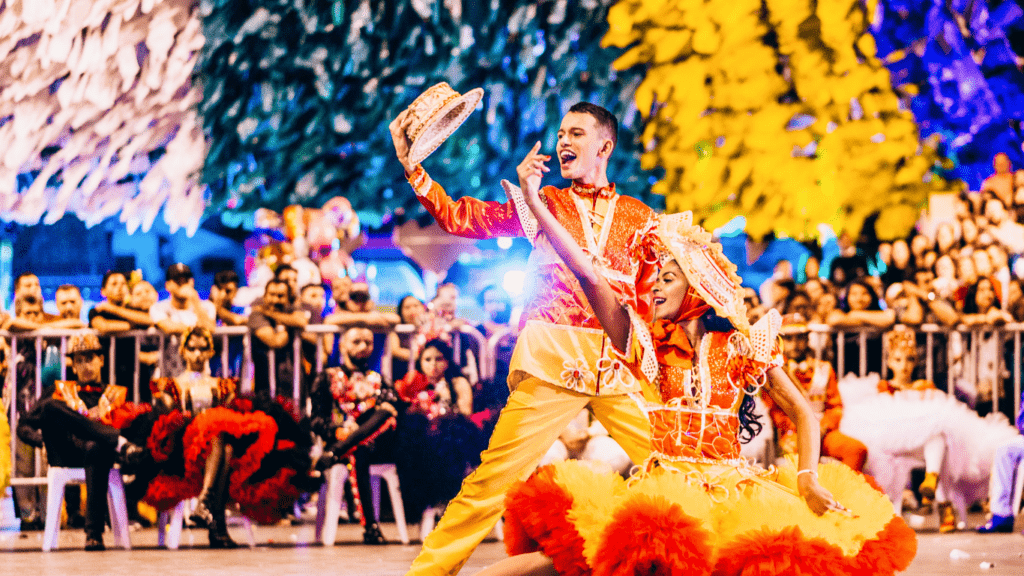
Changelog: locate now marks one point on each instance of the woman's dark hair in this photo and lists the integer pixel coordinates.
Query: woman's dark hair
(971, 299)
(401, 304)
(874, 305)
(1016, 309)
(796, 293)
(750, 421)
(453, 371)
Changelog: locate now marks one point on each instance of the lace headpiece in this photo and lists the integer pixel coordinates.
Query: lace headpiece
(707, 269)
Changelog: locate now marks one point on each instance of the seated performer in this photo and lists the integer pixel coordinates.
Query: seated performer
(440, 439)
(1000, 492)
(72, 420)
(817, 381)
(355, 412)
(902, 360)
(695, 506)
(208, 444)
(909, 422)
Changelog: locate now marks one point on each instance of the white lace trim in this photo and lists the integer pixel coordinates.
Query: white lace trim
(639, 332)
(526, 217)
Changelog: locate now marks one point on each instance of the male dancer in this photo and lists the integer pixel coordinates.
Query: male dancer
(562, 362)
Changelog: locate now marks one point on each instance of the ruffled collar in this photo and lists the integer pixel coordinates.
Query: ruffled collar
(590, 191)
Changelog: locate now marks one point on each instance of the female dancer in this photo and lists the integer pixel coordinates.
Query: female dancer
(209, 444)
(695, 507)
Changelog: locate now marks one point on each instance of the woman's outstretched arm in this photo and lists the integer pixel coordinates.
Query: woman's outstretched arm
(610, 312)
(784, 392)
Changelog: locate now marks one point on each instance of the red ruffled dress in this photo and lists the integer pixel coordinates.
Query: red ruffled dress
(270, 452)
(696, 507)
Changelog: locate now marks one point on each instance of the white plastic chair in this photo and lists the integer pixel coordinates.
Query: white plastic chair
(57, 478)
(429, 519)
(170, 524)
(328, 508)
(389, 473)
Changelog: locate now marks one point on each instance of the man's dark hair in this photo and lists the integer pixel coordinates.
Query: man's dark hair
(67, 287)
(23, 275)
(178, 273)
(314, 285)
(284, 268)
(797, 292)
(604, 118)
(275, 281)
(108, 274)
(225, 277)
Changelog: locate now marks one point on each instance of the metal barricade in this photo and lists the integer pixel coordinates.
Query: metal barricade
(386, 358)
(224, 334)
(961, 370)
(492, 349)
(483, 362)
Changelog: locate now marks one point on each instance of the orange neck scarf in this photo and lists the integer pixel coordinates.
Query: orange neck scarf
(671, 344)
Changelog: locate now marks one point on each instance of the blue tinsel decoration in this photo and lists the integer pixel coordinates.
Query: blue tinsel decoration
(961, 56)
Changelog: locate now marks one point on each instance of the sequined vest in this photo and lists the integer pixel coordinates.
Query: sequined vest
(698, 418)
(557, 297)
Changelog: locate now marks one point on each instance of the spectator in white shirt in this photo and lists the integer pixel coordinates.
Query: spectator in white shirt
(183, 310)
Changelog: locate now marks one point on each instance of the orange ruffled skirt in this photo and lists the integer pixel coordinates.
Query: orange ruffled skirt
(701, 519)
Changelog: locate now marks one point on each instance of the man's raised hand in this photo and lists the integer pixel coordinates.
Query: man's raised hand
(530, 171)
(399, 135)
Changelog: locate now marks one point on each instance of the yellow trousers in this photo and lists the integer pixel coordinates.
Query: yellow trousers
(533, 418)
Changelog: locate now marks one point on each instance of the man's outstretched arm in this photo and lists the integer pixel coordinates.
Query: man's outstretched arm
(466, 217)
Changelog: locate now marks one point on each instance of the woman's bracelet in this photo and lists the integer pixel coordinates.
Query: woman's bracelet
(808, 471)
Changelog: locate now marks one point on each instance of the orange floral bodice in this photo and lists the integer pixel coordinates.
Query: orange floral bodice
(697, 418)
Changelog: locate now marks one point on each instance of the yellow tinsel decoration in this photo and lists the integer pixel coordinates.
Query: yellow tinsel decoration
(725, 81)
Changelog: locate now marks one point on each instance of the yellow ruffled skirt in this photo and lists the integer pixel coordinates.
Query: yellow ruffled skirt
(713, 519)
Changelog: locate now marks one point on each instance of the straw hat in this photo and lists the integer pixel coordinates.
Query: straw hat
(713, 277)
(83, 343)
(435, 115)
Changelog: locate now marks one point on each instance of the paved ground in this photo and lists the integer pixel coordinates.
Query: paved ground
(286, 550)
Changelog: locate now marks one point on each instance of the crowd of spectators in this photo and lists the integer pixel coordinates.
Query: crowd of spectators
(434, 356)
(962, 271)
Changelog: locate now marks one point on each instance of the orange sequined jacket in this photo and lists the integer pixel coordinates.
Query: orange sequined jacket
(561, 340)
